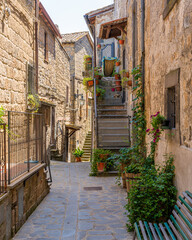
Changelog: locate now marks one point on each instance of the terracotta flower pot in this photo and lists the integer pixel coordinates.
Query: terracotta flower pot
(125, 74)
(118, 83)
(117, 64)
(129, 82)
(101, 166)
(78, 159)
(98, 94)
(90, 83)
(97, 82)
(89, 59)
(118, 88)
(99, 46)
(121, 42)
(117, 76)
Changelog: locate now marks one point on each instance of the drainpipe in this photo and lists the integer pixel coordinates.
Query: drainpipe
(143, 44)
(36, 42)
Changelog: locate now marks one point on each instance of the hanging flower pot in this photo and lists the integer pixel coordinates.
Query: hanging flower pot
(98, 46)
(90, 83)
(129, 82)
(118, 83)
(118, 88)
(117, 76)
(118, 63)
(121, 41)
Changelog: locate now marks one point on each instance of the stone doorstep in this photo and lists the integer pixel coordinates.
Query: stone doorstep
(25, 176)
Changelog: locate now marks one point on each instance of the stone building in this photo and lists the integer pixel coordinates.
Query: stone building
(77, 45)
(157, 36)
(54, 81)
(17, 51)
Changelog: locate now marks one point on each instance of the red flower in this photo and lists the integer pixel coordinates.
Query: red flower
(148, 130)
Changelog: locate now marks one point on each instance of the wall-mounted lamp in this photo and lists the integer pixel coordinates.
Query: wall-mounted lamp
(81, 100)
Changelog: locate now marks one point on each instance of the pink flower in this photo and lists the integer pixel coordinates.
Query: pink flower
(148, 130)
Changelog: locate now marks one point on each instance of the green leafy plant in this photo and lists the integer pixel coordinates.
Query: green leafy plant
(33, 102)
(78, 152)
(153, 196)
(100, 93)
(2, 113)
(87, 56)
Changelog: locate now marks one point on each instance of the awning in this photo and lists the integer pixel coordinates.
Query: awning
(73, 129)
(113, 28)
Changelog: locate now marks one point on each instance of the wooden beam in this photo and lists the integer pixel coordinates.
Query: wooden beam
(108, 32)
(122, 29)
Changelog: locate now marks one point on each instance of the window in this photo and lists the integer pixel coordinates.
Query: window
(171, 107)
(169, 4)
(45, 47)
(172, 101)
(30, 79)
(67, 94)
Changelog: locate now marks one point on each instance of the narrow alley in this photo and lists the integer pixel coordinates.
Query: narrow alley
(72, 210)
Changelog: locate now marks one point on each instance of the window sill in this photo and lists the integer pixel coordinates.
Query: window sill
(168, 8)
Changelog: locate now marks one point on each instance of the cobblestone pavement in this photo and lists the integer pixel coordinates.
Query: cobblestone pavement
(71, 213)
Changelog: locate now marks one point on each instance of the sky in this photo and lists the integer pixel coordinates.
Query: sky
(68, 14)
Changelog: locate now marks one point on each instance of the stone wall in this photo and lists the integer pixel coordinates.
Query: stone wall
(168, 45)
(173, 37)
(83, 113)
(54, 80)
(22, 198)
(16, 50)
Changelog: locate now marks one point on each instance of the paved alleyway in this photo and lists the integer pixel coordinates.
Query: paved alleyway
(71, 213)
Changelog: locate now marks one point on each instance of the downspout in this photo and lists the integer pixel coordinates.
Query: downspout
(36, 43)
(143, 46)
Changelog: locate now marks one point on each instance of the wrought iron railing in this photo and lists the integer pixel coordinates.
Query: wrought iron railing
(26, 142)
(3, 173)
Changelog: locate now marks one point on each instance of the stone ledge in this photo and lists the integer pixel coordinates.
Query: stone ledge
(25, 176)
(168, 8)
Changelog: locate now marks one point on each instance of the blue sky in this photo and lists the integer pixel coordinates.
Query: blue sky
(68, 14)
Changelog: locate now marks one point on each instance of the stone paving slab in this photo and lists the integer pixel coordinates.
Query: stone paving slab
(71, 213)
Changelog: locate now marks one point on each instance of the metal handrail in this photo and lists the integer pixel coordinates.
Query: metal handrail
(3, 167)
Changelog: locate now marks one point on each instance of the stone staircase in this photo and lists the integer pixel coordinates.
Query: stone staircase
(87, 148)
(55, 155)
(113, 127)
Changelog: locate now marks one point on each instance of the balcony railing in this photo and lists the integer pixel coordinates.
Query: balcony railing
(26, 142)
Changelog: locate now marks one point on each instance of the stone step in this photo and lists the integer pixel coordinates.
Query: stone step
(111, 144)
(113, 116)
(113, 130)
(110, 112)
(105, 106)
(113, 137)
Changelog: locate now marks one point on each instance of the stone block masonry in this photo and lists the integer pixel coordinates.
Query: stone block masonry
(22, 198)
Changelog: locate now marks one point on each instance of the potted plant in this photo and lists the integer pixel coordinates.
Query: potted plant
(118, 88)
(33, 102)
(99, 46)
(88, 82)
(97, 73)
(126, 82)
(118, 63)
(88, 62)
(121, 41)
(132, 174)
(100, 93)
(124, 73)
(78, 154)
(117, 76)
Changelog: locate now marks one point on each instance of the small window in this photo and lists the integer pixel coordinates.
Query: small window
(45, 47)
(67, 94)
(171, 107)
(169, 4)
(30, 79)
